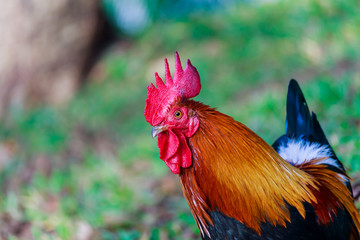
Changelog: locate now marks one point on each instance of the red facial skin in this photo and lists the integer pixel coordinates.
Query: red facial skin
(174, 148)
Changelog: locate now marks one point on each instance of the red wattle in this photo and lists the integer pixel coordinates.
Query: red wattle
(184, 152)
(168, 144)
(174, 151)
(173, 164)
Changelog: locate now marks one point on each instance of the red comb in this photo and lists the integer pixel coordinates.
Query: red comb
(186, 83)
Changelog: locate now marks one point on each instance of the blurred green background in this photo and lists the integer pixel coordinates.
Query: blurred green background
(89, 169)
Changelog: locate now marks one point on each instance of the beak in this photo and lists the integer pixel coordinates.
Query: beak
(158, 129)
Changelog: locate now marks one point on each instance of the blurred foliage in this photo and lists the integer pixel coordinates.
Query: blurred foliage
(132, 17)
(92, 169)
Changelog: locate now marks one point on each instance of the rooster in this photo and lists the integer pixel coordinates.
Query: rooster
(238, 186)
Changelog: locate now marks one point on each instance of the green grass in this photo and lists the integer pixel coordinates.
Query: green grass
(93, 165)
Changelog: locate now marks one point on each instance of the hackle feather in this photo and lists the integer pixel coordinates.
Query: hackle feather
(240, 175)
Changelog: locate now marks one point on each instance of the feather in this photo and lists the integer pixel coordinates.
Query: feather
(240, 175)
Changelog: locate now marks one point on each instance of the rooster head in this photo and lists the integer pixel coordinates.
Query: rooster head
(171, 121)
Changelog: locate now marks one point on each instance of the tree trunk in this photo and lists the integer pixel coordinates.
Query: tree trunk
(44, 48)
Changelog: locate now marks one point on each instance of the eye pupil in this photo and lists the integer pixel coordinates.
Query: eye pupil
(178, 114)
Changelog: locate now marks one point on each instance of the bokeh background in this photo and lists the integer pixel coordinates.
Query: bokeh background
(77, 160)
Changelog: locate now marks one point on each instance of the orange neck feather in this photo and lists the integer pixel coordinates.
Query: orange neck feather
(239, 174)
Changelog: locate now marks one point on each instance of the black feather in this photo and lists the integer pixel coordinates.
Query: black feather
(298, 229)
(300, 124)
(298, 119)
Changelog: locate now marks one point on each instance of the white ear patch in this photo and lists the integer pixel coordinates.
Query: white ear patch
(298, 151)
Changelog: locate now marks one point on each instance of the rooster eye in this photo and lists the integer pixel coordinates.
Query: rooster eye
(178, 114)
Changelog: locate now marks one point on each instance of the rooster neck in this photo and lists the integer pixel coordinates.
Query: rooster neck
(237, 173)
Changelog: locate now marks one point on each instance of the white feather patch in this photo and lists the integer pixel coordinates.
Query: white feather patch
(298, 151)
